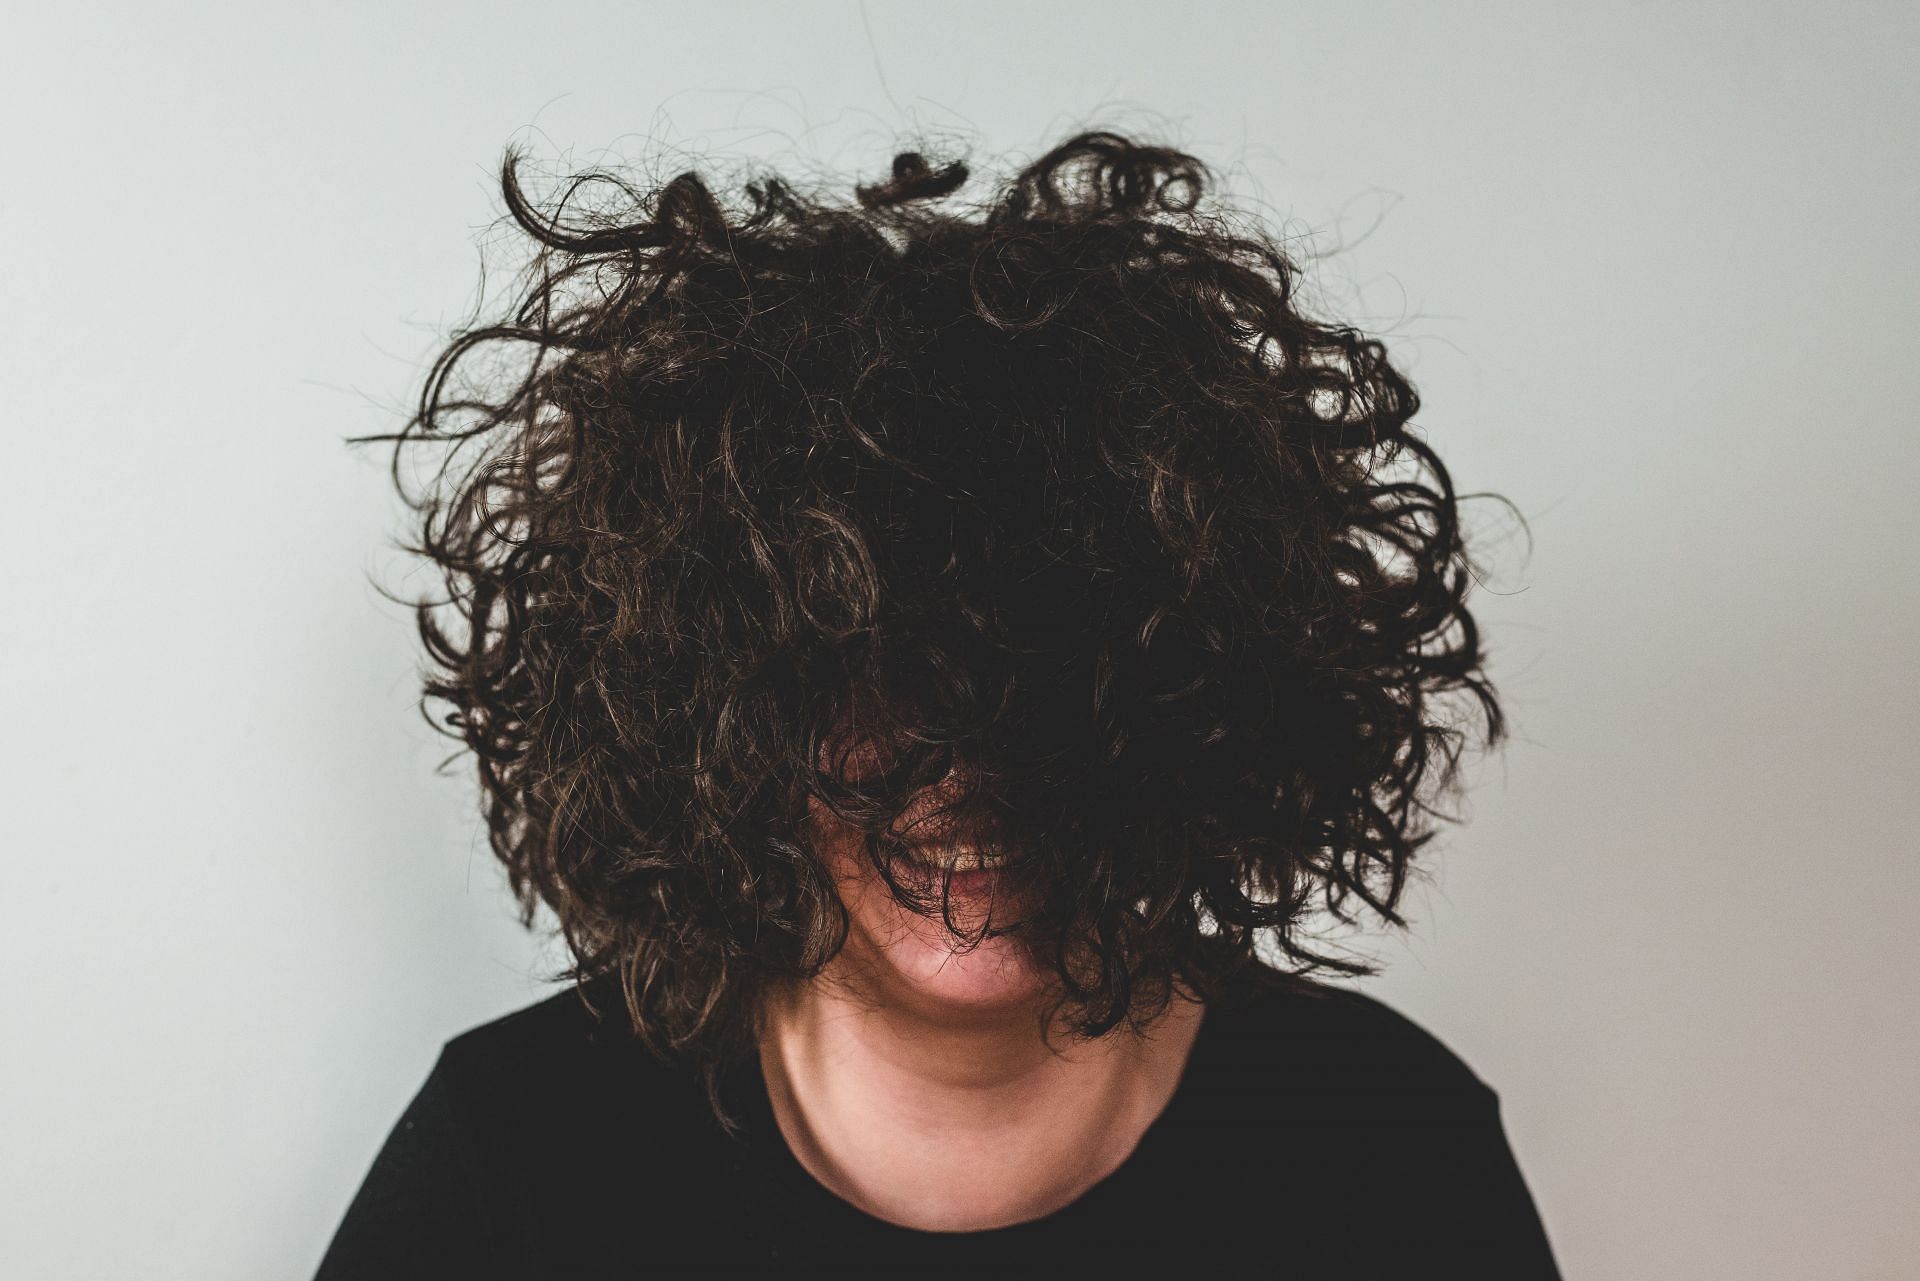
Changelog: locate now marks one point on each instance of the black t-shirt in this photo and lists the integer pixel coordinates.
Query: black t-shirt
(1314, 1134)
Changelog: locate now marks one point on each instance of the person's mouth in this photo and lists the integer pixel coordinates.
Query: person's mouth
(969, 871)
(962, 858)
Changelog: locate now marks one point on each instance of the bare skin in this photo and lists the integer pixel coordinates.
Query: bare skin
(913, 1082)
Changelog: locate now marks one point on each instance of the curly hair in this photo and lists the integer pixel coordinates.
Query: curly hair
(1063, 487)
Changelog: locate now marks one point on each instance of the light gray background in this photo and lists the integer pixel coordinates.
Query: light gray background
(1651, 265)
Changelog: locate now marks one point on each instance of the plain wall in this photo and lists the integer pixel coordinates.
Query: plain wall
(1651, 266)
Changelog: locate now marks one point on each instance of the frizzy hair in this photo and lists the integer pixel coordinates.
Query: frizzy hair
(1059, 494)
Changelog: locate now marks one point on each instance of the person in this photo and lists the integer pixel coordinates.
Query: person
(940, 663)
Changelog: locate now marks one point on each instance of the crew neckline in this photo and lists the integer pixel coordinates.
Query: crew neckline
(825, 1214)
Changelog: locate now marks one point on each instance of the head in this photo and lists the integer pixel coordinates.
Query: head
(814, 539)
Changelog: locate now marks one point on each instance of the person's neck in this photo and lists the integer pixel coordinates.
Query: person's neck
(945, 1125)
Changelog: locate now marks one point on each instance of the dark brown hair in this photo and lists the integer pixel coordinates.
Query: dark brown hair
(1063, 486)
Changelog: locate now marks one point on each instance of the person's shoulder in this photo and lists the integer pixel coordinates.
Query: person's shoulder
(1373, 1100)
(571, 1050)
(560, 1022)
(1341, 1041)
(558, 1086)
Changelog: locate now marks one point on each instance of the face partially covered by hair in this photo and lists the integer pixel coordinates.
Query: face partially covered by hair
(1060, 496)
(933, 914)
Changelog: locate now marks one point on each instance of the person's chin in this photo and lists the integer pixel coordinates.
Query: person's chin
(996, 974)
(929, 967)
